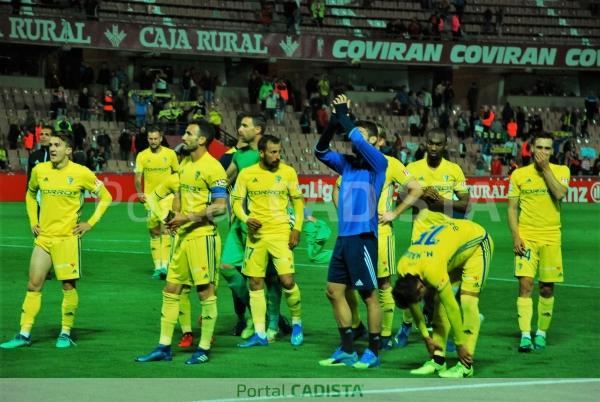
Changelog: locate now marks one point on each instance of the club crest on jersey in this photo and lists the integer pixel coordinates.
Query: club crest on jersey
(277, 179)
(45, 178)
(69, 179)
(446, 177)
(196, 175)
(164, 159)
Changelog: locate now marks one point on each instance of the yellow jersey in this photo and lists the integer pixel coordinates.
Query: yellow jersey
(440, 249)
(62, 195)
(198, 183)
(156, 166)
(396, 173)
(268, 194)
(539, 218)
(448, 178)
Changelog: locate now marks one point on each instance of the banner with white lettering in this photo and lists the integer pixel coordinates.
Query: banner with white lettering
(184, 39)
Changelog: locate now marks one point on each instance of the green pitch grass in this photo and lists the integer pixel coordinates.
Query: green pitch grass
(119, 312)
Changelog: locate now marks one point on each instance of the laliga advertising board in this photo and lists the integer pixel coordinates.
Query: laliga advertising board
(482, 189)
(318, 188)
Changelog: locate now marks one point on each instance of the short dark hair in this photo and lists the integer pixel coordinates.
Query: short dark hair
(369, 126)
(258, 120)
(405, 291)
(262, 143)
(205, 129)
(66, 137)
(437, 131)
(153, 128)
(542, 135)
(48, 127)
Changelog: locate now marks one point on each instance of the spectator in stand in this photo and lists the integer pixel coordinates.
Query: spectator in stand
(312, 86)
(443, 8)
(437, 99)
(271, 104)
(520, 122)
(79, 134)
(487, 26)
(512, 166)
(291, 11)
(487, 118)
(83, 102)
(322, 119)
(121, 106)
(324, 89)
(499, 19)
(525, 152)
(108, 106)
(512, 128)
(414, 123)
(497, 166)
(395, 29)
(414, 29)
(507, 114)
(114, 82)
(449, 96)
(400, 102)
(596, 168)
(160, 82)
(455, 26)
(208, 83)
(283, 97)
(473, 98)
(141, 104)
(104, 145)
(586, 167)
(186, 84)
(305, 119)
(317, 10)
(141, 140)
(265, 90)
(591, 107)
(254, 83)
(536, 124)
(28, 142)
(420, 152)
(460, 8)
(568, 121)
(60, 99)
(266, 14)
(479, 165)
(3, 156)
(575, 166)
(125, 145)
(461, 125)
(103, 75)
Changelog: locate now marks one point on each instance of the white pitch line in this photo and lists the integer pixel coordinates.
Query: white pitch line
(566, 285)
(430, 389)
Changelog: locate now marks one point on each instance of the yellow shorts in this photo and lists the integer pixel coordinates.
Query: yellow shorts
(386, 258)
(475, 270)
(259, 251)
(195, 261)
(544, 260)
(65, 253)
(166, 204)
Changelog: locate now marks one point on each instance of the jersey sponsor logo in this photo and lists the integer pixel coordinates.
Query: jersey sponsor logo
(157, 169)
(60, 193)
(190, 188)
(535, 191)
(267, 192)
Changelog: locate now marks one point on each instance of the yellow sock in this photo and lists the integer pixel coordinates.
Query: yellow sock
(69, 307)
(352, 299)
(185, 311)
(471, 323)
(169, 312)
(524, 313)
(386, 301)
(209, 318)
(258, 309)
(441, 328)
(30, 309)
(165, 245)
(293, 300)
(155, 250)
(406, 316)
(545, 307)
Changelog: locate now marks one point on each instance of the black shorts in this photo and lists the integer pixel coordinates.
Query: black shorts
(354, 262)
